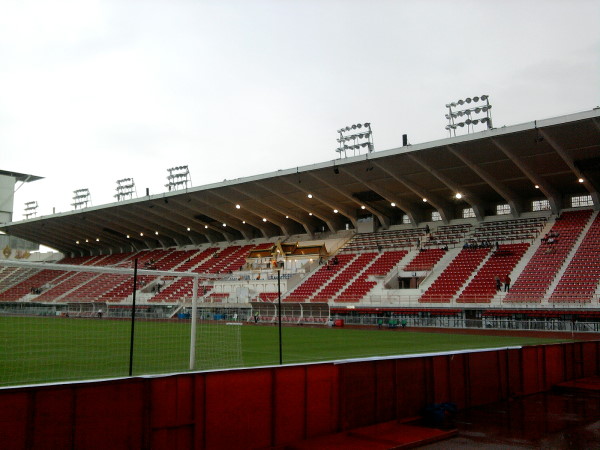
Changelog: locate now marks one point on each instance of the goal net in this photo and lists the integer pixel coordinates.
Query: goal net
(62, 322)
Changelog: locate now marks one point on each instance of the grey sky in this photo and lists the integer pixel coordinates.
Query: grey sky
(91, 92)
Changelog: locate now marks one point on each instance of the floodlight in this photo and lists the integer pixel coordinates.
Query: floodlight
(354, 140)
(81, 197)
(470, 113)
(30, 209)
(125, 189)
(178, 177)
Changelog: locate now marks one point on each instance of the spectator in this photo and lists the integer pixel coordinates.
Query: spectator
(506, 283)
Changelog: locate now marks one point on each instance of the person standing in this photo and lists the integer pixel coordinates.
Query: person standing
(506, 283)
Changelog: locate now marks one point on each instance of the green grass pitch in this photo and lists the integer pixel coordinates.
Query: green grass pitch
(41, 350)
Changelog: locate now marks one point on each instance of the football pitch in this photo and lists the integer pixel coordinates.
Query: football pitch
(42, 350)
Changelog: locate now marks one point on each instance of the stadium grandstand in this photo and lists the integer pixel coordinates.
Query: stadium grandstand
(480, 228)
(487, 236)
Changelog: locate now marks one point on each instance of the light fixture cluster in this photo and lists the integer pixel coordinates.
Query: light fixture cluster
(125, 189)
(178, 177)
(469, 112)
(356, 140)
(81, 198)
(30, 209)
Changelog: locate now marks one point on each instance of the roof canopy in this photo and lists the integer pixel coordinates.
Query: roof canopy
(511, 165)
(22, 177)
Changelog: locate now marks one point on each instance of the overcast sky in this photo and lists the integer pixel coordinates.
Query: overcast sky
(92, 92)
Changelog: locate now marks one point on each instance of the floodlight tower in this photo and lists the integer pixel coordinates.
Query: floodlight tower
(30, 209)
(81, 198)
(125, 189)
(470, 112)
(178, 178)
(357, 139)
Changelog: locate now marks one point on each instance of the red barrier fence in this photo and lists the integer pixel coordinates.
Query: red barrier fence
(254, 408)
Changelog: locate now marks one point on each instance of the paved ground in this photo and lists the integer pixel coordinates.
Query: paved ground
(553, 420)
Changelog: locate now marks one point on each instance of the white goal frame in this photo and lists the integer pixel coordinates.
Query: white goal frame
(130, 272)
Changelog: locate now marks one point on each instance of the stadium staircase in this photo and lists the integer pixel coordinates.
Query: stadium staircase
(425, 260)
(363, 284)
(462, 267)
(318, 278)
(577, 282)
(536, 278)
(344, 277)
(481, 288)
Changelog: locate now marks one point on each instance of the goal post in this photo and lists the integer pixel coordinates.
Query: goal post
(194, 322)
